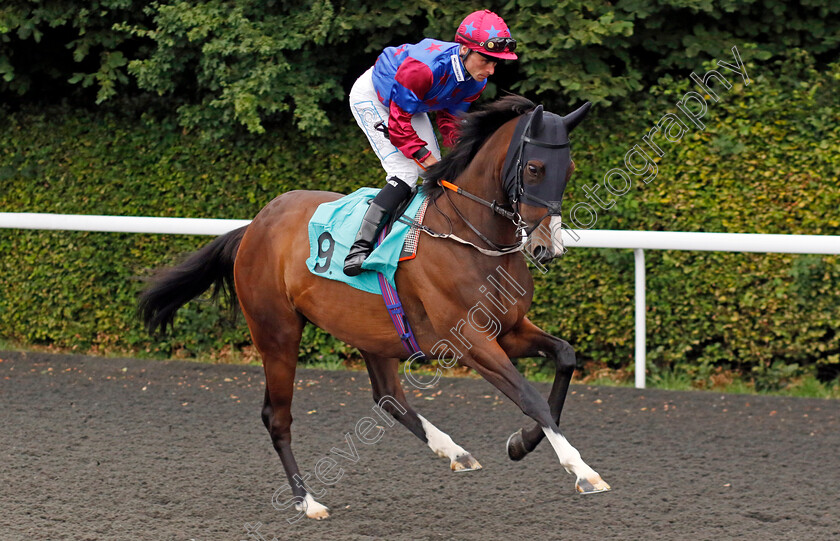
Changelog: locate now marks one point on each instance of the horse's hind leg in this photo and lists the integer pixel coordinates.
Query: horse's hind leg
(389, 395)
(528, 340)
(277, 337)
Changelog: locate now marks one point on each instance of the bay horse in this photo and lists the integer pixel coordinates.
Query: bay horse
(504, 178)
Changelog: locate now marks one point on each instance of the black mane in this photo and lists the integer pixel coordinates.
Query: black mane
(476, 128)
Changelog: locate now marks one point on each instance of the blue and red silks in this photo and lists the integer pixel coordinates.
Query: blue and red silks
(422, 77)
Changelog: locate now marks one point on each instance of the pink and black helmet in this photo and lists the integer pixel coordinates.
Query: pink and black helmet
(486, 33)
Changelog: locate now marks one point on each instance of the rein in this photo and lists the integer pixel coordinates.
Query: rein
(512, 216)
(492, 205)
(498, 250)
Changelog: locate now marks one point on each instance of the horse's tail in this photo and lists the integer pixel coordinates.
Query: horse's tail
(172, 288)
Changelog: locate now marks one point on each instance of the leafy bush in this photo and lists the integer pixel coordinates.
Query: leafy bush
(224, 64)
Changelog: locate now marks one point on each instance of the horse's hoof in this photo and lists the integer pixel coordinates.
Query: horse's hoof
(593, 485)
(319, 514)
(465, 463)
(516, 447)
(313, 509)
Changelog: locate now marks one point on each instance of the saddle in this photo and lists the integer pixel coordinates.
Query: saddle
(332, 230)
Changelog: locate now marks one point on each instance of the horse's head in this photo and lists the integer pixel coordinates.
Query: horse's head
(537, 168)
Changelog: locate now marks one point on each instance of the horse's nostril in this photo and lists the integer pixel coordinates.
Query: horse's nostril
(542, 254)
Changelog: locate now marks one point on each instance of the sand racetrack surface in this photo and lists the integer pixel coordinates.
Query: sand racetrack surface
(96, 448)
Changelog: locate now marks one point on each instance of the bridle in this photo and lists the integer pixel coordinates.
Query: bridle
(513, 180)
(514, 169)
(513, 216)
(516, 190)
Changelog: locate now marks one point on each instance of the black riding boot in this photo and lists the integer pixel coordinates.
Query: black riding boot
(381, 208)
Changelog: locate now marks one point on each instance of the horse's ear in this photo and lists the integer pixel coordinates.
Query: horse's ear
(575, 117)
(537, 119)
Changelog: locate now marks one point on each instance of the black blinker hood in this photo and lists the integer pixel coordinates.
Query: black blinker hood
(541, 136)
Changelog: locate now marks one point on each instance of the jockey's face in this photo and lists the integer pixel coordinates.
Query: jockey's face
(480, 67)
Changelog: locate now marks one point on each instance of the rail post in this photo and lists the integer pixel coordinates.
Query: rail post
(640, 317)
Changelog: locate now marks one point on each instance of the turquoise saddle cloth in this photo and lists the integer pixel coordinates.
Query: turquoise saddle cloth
(332, 230)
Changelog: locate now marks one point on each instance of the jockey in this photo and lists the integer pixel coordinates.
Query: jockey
(391, 101)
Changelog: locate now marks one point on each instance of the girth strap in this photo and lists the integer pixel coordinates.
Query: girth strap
(395, 310)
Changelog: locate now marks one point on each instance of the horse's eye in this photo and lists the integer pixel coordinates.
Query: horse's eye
(532, 169)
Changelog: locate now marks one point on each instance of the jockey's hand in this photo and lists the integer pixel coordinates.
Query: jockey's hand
(430, 161)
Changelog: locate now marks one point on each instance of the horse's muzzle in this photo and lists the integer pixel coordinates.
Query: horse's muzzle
(546, 242)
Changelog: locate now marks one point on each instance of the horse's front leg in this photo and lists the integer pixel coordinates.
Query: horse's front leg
(528, 340)
(494, 365)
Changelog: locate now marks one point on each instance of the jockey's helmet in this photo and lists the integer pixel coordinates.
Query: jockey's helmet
(486, 33)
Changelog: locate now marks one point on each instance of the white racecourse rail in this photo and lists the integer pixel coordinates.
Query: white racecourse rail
(638, 241)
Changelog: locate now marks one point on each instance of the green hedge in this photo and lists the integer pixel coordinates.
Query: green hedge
(767, 162)
(78, 290)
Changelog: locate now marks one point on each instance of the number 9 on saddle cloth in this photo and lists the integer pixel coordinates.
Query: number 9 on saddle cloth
(332, 230)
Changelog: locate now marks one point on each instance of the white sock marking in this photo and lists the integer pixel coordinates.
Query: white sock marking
(440, 442)
(313, 509)
(569, 456)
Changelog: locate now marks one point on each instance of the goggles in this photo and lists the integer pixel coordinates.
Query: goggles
(494, 45)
